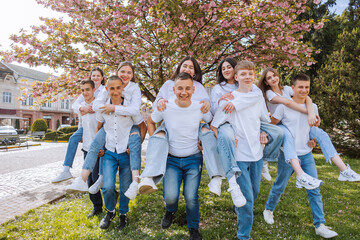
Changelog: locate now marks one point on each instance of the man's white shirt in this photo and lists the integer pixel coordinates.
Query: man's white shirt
(89, 124)
(298, 126)
(117, 128)
(182, 125)
(246, 124)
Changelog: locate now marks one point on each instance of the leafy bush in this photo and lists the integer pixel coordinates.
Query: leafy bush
(71, 129)
(39, 125)
(64, 137)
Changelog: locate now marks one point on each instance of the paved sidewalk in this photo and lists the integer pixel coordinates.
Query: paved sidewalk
(26, 189)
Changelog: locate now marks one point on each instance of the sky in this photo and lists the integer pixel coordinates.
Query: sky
(17, 14)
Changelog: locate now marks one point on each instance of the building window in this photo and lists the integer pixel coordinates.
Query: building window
(7, 97)
(48, 104)
(65, 104)
(29, 101)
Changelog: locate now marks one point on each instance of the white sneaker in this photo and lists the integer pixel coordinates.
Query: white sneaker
(325, 231)
(349, 175)
(64, 175)
(268, 216)
(96, 187)
(237, 196)
(147, 186)
(308, 182)
(132, 190)
(215, 185)
(265, 171)
(77, 186)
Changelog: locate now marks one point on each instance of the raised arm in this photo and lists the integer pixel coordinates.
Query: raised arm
(151, 126)
(289, 103)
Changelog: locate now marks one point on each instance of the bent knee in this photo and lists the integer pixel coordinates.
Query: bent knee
(160, 134)
(204, 130)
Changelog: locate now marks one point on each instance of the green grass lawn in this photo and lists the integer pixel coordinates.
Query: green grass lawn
(67, 218)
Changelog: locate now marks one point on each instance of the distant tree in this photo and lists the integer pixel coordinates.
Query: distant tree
(57, 124)
(155, 34)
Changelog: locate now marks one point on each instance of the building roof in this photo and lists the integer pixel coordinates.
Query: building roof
(27, 72)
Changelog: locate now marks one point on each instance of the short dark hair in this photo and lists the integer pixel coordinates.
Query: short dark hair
(114, 78)
(183, 76)
(83, 82)
(197, 69)
(300, 77)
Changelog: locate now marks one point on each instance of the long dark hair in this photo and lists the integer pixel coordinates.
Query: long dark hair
(262, 81)
(219, 75)
(126, 63)
(198, 75)
(101, 72)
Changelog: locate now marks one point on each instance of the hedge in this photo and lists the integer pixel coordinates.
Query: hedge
(71, 129)
(39, 125)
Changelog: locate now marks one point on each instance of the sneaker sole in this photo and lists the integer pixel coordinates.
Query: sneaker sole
(61, 180)
(347, 180)
(146, 190)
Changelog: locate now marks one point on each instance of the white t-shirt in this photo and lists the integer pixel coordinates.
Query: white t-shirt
(247, 127)
(117, 128)
(131, 93)
(243, 101)
(182, 125)
(298, 126)
(166, 92)
(89, 124)
(287, 92)
(218, 91)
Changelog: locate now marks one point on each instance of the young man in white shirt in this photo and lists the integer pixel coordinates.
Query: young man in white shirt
(117, 129)
(249, 150)
(299, 128)
(182, 119)
(89, 124)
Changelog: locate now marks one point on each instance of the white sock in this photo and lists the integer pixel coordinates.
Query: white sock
(232, 182)
(100, 178)
(66, 169)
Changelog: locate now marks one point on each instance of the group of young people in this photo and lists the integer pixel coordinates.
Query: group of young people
(231, 131)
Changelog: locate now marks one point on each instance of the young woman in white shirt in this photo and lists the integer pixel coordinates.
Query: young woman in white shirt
(276, 94)
(158, 143)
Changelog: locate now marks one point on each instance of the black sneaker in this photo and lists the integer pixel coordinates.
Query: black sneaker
(122, 222)
(105, 222)
(94, 212)
(194, 234)
(167, 219)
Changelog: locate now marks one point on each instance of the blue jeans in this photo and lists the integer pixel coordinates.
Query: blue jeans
(96, 199)
(288, 144)
(158, 148)
(275, 135)
(324, 142)
(249, 182)
(112, 162)
(227, 150)
(284, 172)
(187, 168)
(72, 147)
(99, 142)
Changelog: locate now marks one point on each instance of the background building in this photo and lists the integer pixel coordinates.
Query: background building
(21, 114)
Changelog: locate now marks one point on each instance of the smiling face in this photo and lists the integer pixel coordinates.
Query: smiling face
(188, 67)
(115, 88)
(96, 77)
(245, 77)
(228, 71)
(272, 79)
(87, 91)
(183, 90)
(126, 74)
(301, 89)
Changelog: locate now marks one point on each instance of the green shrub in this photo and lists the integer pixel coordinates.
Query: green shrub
(48, 130)
(53, 135)
(64, 137)
(39, 125)
(71, 129)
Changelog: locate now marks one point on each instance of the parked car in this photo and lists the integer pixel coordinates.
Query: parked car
(63, 125)
(8, 130)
